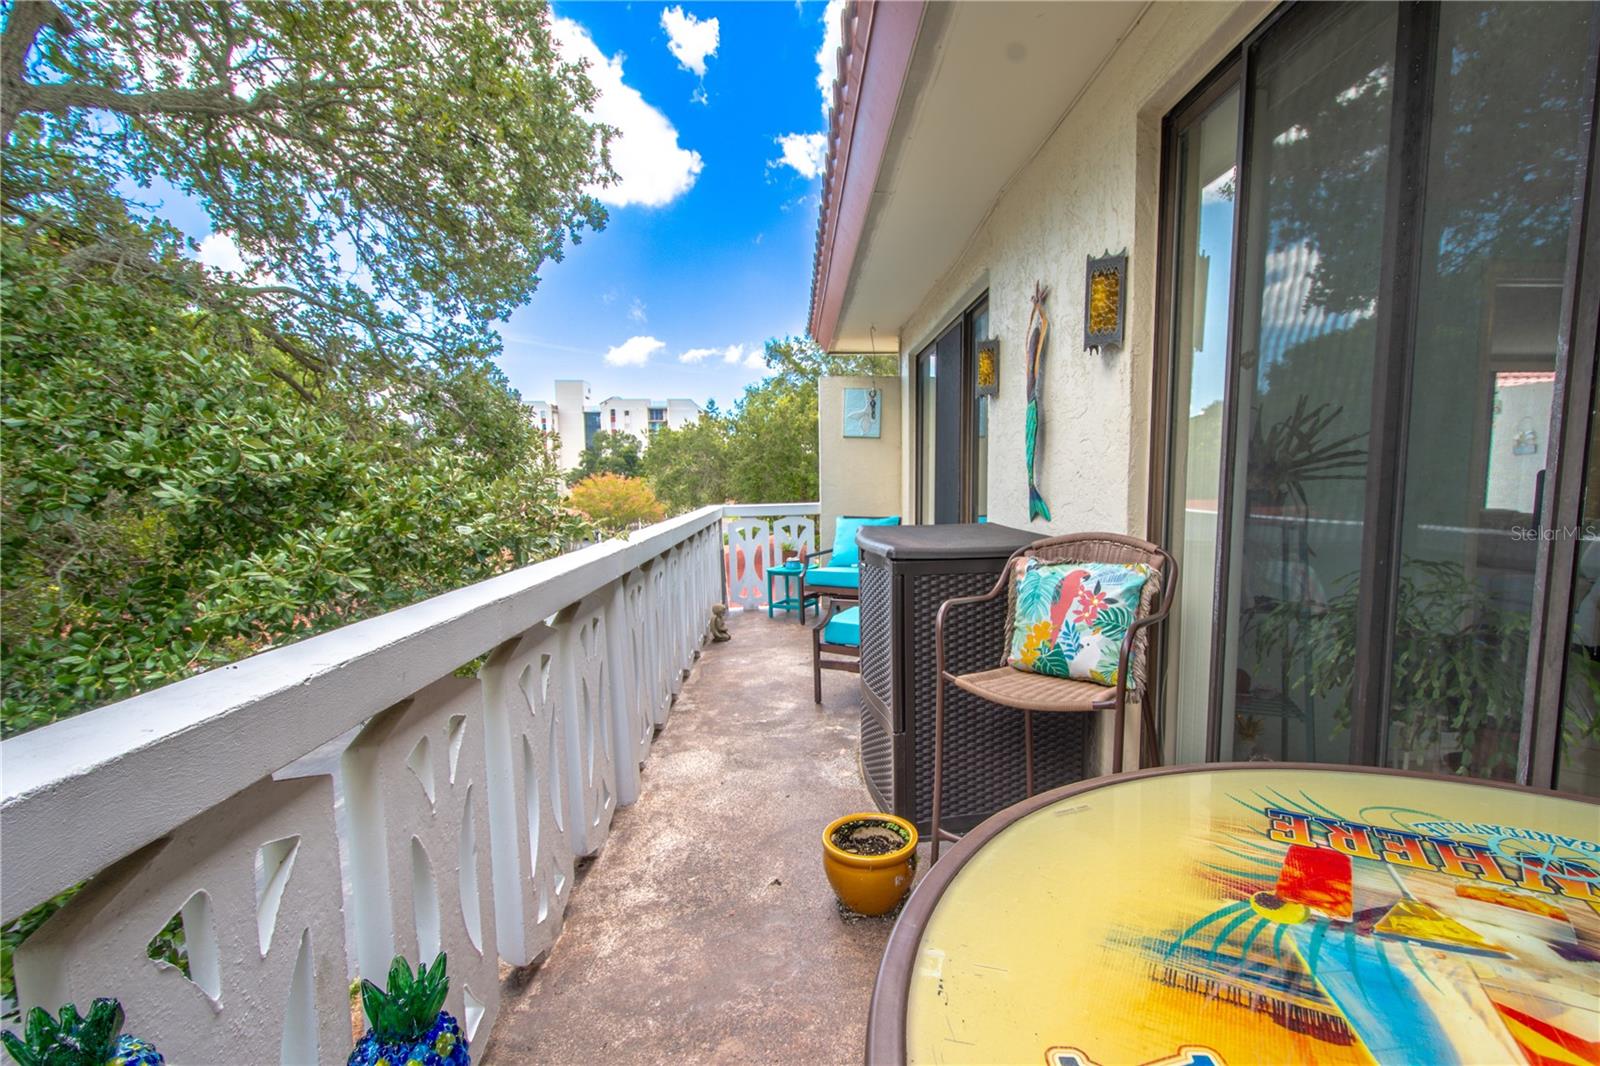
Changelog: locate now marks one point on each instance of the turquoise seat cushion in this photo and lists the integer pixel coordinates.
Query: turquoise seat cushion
(845, 552)
(844, 628)
(834, 577)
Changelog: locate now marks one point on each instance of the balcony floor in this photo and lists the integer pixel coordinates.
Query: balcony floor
(705, 930)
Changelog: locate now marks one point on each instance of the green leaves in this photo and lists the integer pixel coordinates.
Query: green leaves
(171, 504)
(410, 1005)
(71, 1039)
(438, 152)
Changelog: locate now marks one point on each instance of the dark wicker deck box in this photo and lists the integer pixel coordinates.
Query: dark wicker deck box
(906, 573)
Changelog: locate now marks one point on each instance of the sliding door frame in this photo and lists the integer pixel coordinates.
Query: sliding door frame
(1561, 504)
(1227, 78)
(953, 380)
(1403, 259)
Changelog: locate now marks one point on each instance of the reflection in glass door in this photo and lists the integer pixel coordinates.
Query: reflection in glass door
(1318, 160)
(1578, 752)
(1506, 142)
(1205, 182)
(1400, 356)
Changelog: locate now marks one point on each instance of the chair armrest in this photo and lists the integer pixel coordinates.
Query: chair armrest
(811, 556)
(1126, 651)
(962, 601)
(824, 617)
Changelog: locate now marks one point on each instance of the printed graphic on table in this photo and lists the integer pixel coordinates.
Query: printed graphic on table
(1245, 917)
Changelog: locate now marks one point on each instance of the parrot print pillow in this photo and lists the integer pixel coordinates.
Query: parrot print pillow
(1070, 618)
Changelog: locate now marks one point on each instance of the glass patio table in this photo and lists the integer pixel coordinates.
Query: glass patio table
(1253, 913)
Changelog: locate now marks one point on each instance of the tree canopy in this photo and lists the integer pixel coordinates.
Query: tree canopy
(608, 452)
(200, 465)
(614, 502)
(395, 174)
(765, 450)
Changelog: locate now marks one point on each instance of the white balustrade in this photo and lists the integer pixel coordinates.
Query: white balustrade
(756, 536)
(314, 810)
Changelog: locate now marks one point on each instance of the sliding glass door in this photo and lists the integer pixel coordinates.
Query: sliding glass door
(953, 423)
(1372, 438)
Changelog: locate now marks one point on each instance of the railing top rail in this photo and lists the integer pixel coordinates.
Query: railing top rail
(163, 757)
(769, 510)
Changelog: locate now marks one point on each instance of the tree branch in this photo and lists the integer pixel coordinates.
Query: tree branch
(26, 19)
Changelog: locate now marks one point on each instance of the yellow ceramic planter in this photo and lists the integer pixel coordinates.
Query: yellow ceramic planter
(870, 884)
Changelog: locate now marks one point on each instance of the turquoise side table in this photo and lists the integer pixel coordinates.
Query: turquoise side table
(793, 599)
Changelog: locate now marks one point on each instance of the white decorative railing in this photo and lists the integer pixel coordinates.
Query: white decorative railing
(756, 534)
(314, 810)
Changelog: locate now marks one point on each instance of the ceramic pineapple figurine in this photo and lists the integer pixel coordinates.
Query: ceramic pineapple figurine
(73, 1040)
(409, 1025)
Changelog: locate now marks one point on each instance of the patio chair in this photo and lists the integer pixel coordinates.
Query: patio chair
(1027, 692)
(837, 632)
(841, 578)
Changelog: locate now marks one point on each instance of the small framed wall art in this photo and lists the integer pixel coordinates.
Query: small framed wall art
(1105, 298)
(987, 371)
(863, 413)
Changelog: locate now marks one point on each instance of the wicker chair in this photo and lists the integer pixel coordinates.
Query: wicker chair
(1028, 692)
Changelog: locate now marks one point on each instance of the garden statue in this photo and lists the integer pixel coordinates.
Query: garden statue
(719, 623)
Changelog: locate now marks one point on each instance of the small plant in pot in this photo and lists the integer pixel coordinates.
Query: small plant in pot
(870, 860)
(409, 1022)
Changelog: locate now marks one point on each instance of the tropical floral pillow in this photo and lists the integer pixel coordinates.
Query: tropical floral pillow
(1070, 618)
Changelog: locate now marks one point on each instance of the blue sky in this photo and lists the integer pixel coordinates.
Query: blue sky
(708, 250)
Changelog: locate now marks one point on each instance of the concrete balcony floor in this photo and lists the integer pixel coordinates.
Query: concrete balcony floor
(705, 930)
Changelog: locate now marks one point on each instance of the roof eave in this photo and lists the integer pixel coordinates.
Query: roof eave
(876, 45)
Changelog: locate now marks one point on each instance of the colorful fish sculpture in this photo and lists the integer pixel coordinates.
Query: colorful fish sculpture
(1038, 329)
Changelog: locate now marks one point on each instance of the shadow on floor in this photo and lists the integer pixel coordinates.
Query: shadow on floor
(705, 930)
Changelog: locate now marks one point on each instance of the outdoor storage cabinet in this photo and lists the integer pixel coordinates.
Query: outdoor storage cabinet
(906, 573)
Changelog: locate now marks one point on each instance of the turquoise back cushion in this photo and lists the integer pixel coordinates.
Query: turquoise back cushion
(1069, 618)
(845, 552)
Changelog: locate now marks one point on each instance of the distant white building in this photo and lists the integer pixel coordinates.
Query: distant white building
(571, 415)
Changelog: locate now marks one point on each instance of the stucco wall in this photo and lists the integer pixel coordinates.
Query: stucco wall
(1093, 186)
(856, 475)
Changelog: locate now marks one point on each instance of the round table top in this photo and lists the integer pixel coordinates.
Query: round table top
(1251, 914)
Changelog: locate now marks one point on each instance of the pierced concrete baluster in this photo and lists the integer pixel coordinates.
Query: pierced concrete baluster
(631, 743)
(662, 665)
(591, 770)
(747, 545)
(672, 632)
(260, 869)
(797, 532)
(526, 750)
(433, 890)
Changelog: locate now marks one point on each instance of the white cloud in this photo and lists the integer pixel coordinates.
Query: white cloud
(635, 351)
(690, 40)
(750, 355)
(652, 168)
(807, 153)
(636, 310)
(828, 54)
(219, 251)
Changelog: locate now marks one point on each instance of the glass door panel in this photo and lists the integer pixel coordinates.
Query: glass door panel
(926, 434)
(1205, 183)
(978, 331)
(1315, 189)
(1578, 752)
(1507, 138)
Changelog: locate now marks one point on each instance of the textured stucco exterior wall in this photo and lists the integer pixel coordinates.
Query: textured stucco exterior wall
(856, 475)
(1093, 186)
